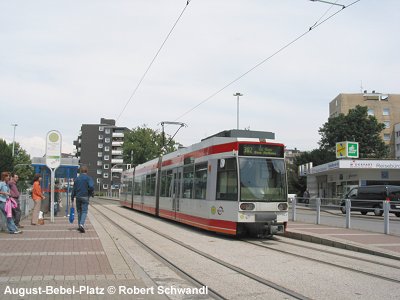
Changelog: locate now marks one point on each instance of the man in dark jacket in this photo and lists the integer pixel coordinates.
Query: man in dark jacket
(83, 189)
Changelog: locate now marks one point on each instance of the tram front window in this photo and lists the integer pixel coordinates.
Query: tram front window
(262, 179)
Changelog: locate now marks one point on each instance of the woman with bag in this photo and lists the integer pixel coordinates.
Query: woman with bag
(37, 197)
(4, 195)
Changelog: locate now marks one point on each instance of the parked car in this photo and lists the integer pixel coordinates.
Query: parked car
(370, 199)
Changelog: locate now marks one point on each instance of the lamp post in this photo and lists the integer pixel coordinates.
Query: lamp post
(13, 149)
(237, 109)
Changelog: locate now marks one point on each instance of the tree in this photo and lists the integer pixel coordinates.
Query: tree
(22, 166)
(6, 159)
(20, 163)
(298, 185)
(142, 144)
(356, 126)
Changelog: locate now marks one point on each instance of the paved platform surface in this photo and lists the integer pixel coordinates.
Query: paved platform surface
(55, 261)
(356, 240)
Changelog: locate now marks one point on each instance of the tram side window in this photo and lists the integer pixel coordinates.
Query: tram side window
(166, 178)
(137, 189)
(188, 175)
(200, 181)
(153, 184)
(128, 187)
(150, 184)
(227, 180)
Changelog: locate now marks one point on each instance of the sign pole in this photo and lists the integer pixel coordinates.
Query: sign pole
(53, 161)
(53, 175)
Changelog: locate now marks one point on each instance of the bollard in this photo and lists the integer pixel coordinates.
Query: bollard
(318, 209)
(294, 202)
(386, 209)
(348, 212)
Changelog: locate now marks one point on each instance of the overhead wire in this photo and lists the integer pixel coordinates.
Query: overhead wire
(317, 24)
(154, 58)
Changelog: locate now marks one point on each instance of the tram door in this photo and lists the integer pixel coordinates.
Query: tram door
(177, 177)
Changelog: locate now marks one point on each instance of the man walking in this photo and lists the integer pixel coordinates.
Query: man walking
(14, 193)
(83, 189)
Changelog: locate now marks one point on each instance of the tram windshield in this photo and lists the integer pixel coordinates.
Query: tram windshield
(262, 179)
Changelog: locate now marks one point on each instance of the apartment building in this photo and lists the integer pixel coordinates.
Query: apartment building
(397, 140)
(385, 107)
(99, 146)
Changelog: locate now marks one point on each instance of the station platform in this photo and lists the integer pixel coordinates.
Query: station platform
(72, 265)
(56, 261)
(379, 244)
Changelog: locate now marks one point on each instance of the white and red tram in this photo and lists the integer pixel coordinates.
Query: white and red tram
(227, 183)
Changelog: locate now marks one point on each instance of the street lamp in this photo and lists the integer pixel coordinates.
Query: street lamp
(13, 149)
(237, 109)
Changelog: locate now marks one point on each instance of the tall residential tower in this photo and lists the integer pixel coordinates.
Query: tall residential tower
(99, 147)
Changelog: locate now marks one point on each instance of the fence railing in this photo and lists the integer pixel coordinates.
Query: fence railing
(345, 207)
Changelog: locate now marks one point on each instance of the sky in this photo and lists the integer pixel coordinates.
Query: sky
(68, 63)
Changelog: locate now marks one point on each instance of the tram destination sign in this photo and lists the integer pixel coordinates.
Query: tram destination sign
(261, 150)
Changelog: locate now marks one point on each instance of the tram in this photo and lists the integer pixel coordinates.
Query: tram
(234, 183)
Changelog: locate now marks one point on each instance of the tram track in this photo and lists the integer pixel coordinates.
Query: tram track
(159, 257)
(262, 244)
(220, 262)
(310, 247)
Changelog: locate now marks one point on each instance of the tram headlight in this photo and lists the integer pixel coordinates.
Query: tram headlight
(283, 206)
(247, 206)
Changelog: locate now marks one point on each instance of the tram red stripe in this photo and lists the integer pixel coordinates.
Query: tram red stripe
(227, 227)
(223, 226)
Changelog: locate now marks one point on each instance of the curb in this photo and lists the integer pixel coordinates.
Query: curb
(338, 244)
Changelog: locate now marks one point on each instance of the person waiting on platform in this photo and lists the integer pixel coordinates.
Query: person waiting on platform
(5, 198)
(37, 197)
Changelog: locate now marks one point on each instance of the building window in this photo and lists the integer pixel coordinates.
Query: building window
(387, 124)
(107, 140)
(105, 175)
(100, 137)
(99, 171)
(99, 154)
(105, 186)
(99, 163)
(98, 180)
(370, 112)
(386, 137)
(106, 157)
(106, 166)
(107, 148)
(101, 128)
(108, 130)
(386, 111)
(100, 146)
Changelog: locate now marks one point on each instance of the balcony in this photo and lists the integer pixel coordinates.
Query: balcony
(117, 161)
(117, 144)
(118, 134)
(117, 170)
(116, 152)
